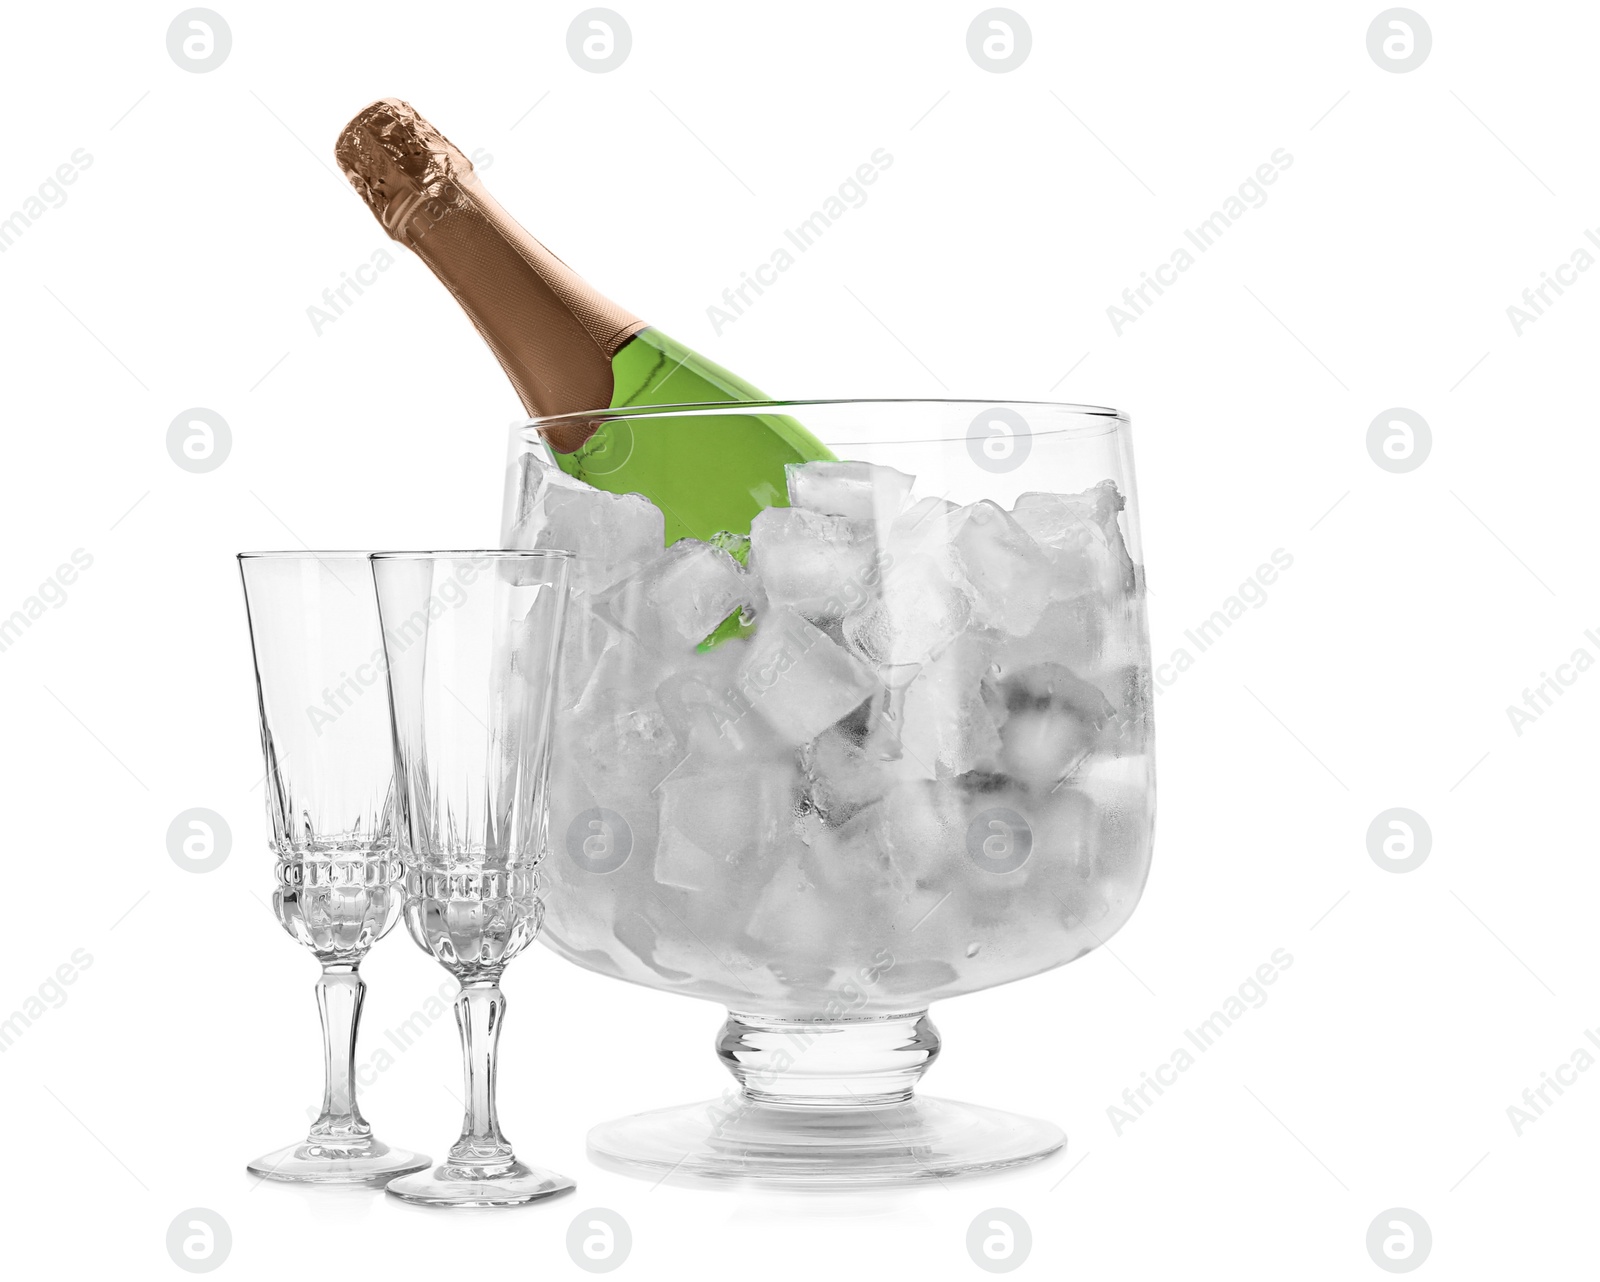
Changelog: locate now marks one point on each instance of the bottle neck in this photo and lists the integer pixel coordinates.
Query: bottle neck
(553, 335)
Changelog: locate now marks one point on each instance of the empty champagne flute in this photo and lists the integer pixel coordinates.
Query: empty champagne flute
(472, 641)
(325, 736)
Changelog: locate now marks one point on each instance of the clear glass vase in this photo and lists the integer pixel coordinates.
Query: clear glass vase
(893, 747)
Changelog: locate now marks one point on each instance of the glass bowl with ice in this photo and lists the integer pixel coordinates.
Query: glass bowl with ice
(830, 752)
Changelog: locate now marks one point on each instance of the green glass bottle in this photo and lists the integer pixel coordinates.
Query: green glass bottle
(566, 349)
(709, 474)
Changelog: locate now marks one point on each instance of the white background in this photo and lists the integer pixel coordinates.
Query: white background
(179, 271)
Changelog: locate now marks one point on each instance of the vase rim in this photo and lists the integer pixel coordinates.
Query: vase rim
(693, 409)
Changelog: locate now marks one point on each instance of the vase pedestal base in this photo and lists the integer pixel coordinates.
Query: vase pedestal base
(823, 1105)
(782, 1146)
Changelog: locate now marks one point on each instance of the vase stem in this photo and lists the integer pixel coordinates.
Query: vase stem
(850, 1063)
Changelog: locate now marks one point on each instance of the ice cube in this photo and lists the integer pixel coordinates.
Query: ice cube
(628, 749)
(897, 676)
(853, 858)
(947, 725)
(679, 597)
(1047, 684)
(856, 865)
(1042, 746)
(845, 769)
(922, 528)
(611, 534)
(1063, 826)
(702, 700)
(799, 680)
(524, 480)
(733, 815)
(1057, 520)
(681, 863)
(925, 532)
(735, 545)
(650, 936)
(698, 586)
(1082, 536)
(1054, 721)
(915, 615)
(721, 828)
(1129, 691)
(584, 642)
(1071, 631)
(924, 830)
(1009, 575)
(819, 565)
(1121, 791)
(1062, 873)
(611, 758)
(797, 923)
(859, 491)
(613, 666)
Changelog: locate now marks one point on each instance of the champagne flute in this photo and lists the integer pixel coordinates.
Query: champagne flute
(324, 734)
(472, 641)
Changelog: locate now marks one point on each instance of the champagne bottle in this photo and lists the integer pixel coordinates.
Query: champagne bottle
(565, 348)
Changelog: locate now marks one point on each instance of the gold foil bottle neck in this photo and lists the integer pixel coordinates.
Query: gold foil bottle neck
(551, 332)
(398, 162)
